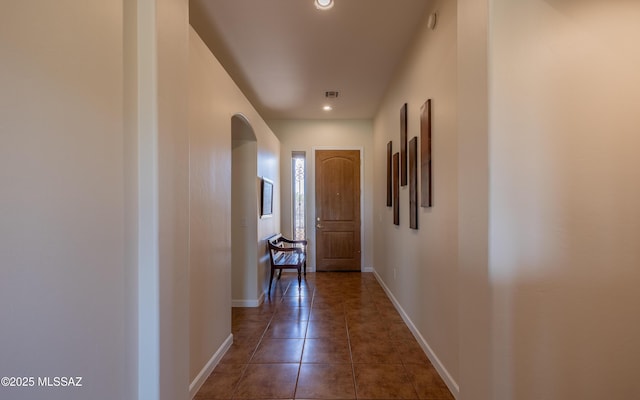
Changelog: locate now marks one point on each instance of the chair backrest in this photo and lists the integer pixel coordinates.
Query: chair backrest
(278, 241)
(274, 243)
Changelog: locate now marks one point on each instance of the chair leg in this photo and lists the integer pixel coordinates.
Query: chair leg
(270, 282)
(299, 277)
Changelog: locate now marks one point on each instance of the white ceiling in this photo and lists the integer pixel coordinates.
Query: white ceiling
(284, 54)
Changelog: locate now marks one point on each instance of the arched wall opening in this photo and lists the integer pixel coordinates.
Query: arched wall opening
(244, 213)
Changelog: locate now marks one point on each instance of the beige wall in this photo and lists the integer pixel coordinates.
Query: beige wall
(311, 135)
(419, 267)
(548, 271)
(268, 167)
(94, 215)
(564, 192)
(474, 290)
(213, 100)
(170, 97)
(62, 224)
(244, 209)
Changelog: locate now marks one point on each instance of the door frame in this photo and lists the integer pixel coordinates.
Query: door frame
(311, 200)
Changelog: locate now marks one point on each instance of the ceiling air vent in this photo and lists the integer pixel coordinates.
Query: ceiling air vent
(331, 94)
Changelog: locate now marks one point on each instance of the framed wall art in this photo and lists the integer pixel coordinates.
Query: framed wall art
(425, 155)
(396, 189)
(266, 198)
(403, 145)
(413, 183)
(389, 180)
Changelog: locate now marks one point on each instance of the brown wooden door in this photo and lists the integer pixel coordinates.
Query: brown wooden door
(338, 210)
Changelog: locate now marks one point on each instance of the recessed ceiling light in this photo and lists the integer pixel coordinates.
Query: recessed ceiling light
(327, 108)
(323, 4)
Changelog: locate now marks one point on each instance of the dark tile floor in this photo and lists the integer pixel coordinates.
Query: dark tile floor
(337, 336)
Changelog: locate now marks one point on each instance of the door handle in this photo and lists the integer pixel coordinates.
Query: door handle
(319, 226)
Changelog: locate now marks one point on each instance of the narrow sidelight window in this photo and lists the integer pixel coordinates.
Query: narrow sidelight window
(298, 180)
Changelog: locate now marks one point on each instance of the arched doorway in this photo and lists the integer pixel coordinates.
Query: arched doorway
(244, 218)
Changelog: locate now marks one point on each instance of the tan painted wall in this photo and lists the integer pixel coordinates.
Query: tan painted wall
(552, 251)
(420, 266)
(171, 95)
(564, 192)
(474, 289)
(214, 99)
(245, 195)
(309, 135)
(62, 227)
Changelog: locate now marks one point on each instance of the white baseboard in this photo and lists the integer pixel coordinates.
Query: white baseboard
(444, 374)
(245, 303)
(209, 367)
(368, 269)
(248, 303)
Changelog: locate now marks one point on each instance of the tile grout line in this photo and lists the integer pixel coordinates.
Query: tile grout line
(253, 353)
(304, 345)
(353, 367)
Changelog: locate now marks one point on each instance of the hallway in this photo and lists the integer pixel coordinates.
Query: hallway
(338, 336)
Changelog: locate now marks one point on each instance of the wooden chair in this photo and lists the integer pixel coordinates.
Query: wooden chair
(287, 254)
